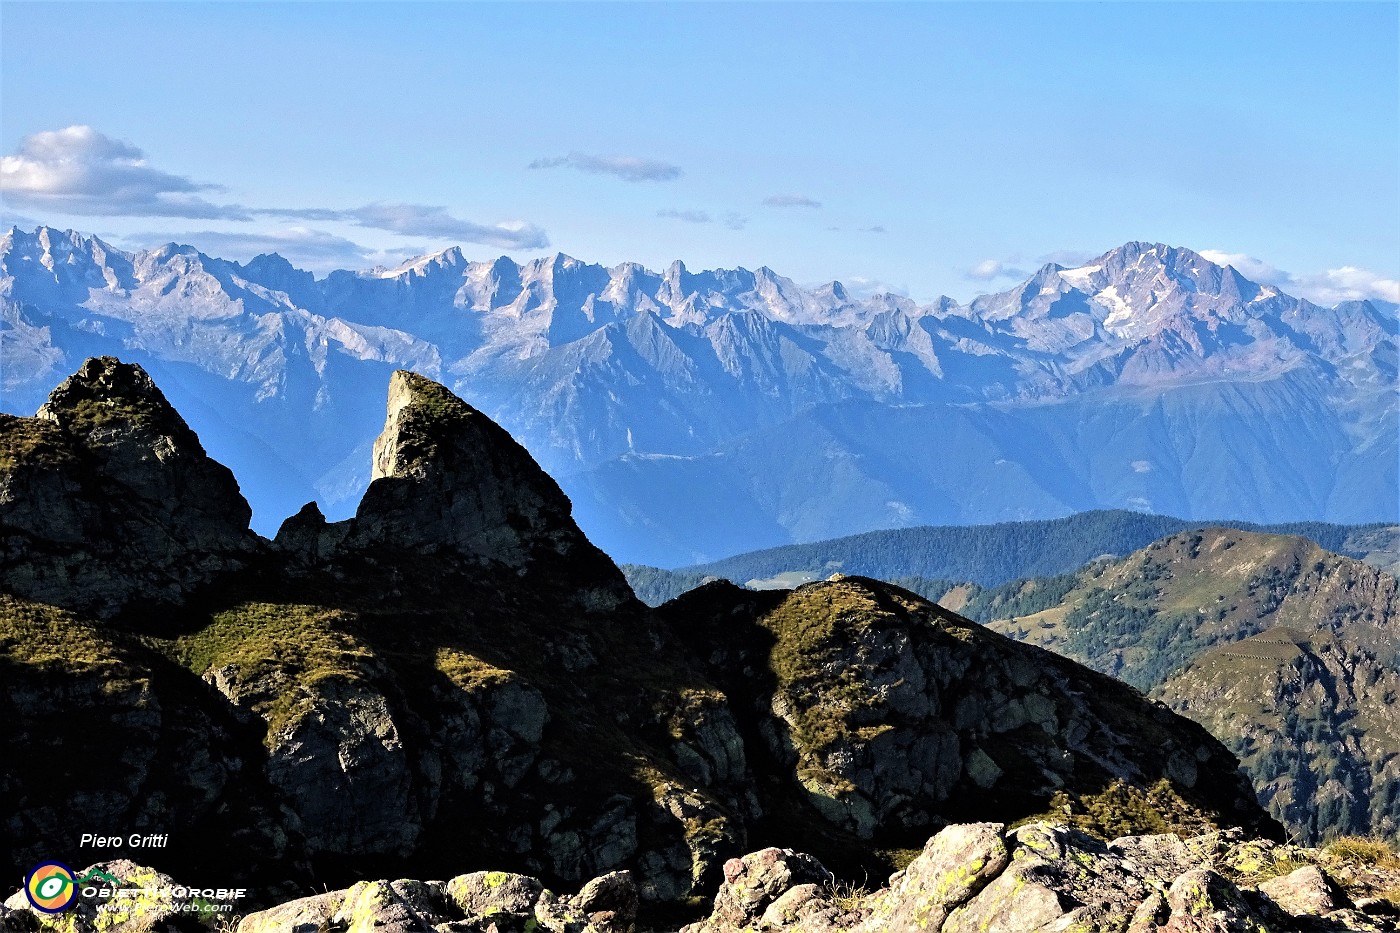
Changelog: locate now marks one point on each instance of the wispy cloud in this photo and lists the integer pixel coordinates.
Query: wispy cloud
(791, 200)
(424, 220)
(421, 220)
(875, 229)
(690, 217)
(1326, 288)
(305, 248)
(626, 167)
(731, 219)
(77, 170)
(989, 269)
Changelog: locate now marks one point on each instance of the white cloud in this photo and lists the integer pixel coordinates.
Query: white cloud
(1326, 288)
(628, 168)
(77, 170)
(791, 200)
(989, 269)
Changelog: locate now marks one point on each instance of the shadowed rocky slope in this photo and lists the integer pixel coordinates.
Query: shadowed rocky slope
(455, 678)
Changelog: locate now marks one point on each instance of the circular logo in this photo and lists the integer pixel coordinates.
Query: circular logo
(50, 887)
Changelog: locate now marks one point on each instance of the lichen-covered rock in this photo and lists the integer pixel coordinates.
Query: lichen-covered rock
(609, 902)
(305, 915)
(754, 882)
(813, 908)
(403, 906)
(952, 868)
(1303, 892)
(1043, 878)
(1055, 875)
(1203, 901)
(486, 894)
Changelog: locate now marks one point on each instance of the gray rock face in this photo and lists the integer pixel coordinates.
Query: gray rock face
(107, 498)
(342, 767)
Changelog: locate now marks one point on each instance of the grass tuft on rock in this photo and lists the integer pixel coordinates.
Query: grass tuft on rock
(292, 647)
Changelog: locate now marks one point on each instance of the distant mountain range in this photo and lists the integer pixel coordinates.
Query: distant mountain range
(694, 415)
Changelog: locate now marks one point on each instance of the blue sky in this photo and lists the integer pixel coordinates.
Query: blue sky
(931, 148)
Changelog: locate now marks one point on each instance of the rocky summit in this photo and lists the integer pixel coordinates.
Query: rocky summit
(455, 680)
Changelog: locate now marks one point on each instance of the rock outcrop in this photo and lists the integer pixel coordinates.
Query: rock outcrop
(108, 501)
(892, 716)
(457, 679)
(448, 484)
(976, 878)
(969, 878)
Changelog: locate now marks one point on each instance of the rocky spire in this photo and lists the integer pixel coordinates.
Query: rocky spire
(107, 497)
(449, 484)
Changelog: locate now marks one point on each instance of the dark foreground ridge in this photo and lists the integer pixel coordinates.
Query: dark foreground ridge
(456, 679)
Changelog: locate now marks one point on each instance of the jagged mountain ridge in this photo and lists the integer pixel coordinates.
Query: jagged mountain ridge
(456, 673)
(622, 378)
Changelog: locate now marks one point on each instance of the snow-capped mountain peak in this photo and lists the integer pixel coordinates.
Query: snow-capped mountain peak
(622, 368)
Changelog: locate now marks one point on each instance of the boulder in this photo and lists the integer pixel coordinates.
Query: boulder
(954, 866)
(1303, 892)
(304, 915)
(753, 883)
